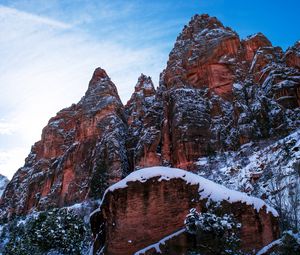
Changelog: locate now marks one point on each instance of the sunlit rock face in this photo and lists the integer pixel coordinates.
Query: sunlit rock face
(151, 204)
(292, 56)
(81, 148)
(216, 93)
(202, 56)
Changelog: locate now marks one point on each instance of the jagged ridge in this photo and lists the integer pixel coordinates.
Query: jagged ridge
(216, 93)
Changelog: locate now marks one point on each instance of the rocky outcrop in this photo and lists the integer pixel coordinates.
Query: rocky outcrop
(216, 93)
(142, 116)
(81, 152)
(195, 58)
(292, 56)
(252, 43)
(152, 203)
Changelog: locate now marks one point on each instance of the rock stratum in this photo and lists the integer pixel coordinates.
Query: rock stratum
(217, 92)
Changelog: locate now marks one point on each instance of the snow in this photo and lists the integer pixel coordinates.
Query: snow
(237, 86)
(202, 161)
(156, 246)
(268, 247)
(254, 35)
(3, 182)
(95, 211)
(207, 189)
(279, 242)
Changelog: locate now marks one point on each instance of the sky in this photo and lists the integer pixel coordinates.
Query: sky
(49, 49)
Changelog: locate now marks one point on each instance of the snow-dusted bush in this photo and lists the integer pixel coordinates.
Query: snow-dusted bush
(57, 230)
(215, 233)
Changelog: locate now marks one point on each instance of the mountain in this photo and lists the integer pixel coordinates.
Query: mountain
(76, 147)
(218, 97)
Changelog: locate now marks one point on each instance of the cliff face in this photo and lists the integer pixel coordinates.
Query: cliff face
(152, 203)
(217, 92)
(81, 152)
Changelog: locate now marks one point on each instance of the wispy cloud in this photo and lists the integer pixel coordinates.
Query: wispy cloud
(6, 12)
(46, 64)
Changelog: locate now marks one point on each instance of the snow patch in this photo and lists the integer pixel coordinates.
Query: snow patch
(268, 247)
(157, 245)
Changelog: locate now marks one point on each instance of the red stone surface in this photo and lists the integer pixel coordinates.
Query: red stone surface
(217, 92)
(60, 168)
(143, 213)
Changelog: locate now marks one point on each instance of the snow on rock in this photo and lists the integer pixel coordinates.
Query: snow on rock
(3, 182)
(65, 166)
(207, 189)
(157, 245)
(159, 198)
(268, 169)
(290, 239)
(268, 247)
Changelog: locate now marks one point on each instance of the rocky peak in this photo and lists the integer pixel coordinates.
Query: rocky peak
(203, 56)
(140, 111)
(253, 43)
(145, 86)
(292, 56)
(98, 74)
(143, 95)
(81, 152)
(203, 25)
(101, 93)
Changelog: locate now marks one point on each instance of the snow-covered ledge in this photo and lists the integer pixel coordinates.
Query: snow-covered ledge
(143, 210)
(207, 189)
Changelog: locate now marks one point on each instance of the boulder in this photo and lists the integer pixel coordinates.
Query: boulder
(145, 213)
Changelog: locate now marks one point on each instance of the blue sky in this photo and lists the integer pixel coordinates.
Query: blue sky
(50, 48)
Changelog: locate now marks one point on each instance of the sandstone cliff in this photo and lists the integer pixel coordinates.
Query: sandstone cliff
(152, 203)
(216, 93)
(82, 151)
(219, 92)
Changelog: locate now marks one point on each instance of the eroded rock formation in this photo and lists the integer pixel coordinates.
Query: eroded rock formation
(216, 93)
(82, 151)
(152, 203)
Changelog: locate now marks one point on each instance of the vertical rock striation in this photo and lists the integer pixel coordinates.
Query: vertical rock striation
(81, 152)
(216, 93)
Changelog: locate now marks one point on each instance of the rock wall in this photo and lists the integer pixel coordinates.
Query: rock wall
(216, 93)
(152, 203)
(82, 151)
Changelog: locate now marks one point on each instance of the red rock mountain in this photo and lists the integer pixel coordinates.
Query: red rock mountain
(81, 147)
(216, 93)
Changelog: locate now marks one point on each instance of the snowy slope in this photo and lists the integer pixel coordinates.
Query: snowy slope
(269, 169)
(3, 182)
